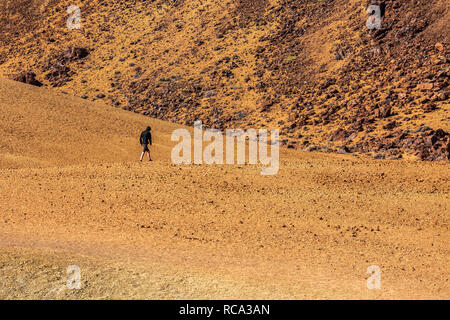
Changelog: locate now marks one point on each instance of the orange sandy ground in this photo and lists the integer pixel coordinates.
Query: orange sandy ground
(73, 193)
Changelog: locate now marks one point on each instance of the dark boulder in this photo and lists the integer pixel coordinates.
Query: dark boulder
(26, 77)
(74, 53)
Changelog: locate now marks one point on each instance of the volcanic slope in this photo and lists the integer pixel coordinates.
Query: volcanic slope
(73, 193)
(310, 68)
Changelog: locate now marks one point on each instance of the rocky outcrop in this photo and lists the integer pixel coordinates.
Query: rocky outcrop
(26, 77)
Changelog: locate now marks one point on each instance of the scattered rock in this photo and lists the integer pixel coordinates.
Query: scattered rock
(343, 150)
(74, 53)
(26, 77)
(59, 74)
(339, 134)
(390, 125)
(424, 86)
(439, 46)
(383, 112)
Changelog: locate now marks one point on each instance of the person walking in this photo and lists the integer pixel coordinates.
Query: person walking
(145, 140)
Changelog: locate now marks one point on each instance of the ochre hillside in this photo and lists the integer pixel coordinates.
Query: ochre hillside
(66, 130)
(310, 68)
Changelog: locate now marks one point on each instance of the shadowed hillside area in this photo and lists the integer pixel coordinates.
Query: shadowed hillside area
(370, 102)
(310, 68)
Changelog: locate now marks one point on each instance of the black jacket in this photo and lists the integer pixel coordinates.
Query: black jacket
(146, 137)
